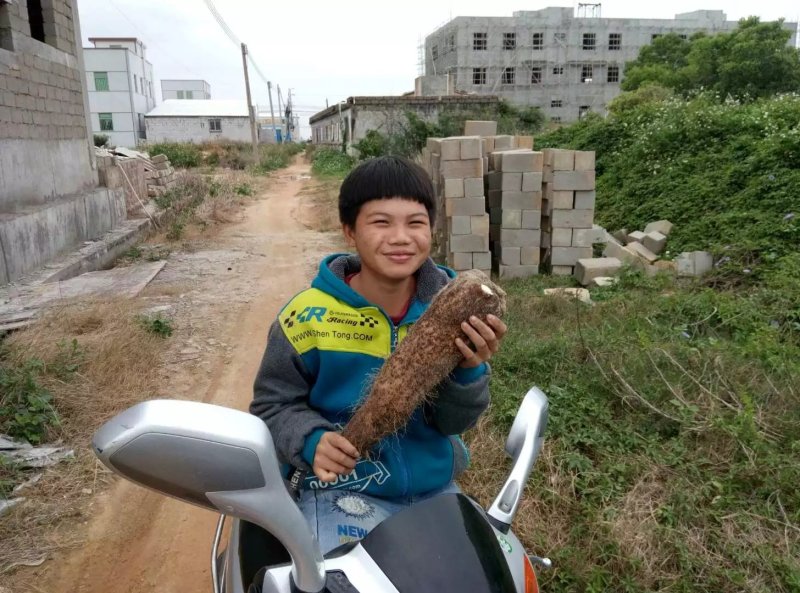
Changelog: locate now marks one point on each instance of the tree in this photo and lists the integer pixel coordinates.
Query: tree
(752, 61)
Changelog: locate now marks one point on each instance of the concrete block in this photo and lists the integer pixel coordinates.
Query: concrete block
(525, 142)
(479, 225)
(511, 219)
(588, 269)
(547, 207)
(625, 255)
(532, 181)
(163, 166)
(584, 160)
(451, 150)
(462, 169)
(558, 159)
(694, 263)
(516, 200)
(642, 252)
(471, 148)
(573, 180)
(563, 200)
(469, 243)
(510, 256)
(511, 272)
(521, 162)
(460, 261)
(662, 226)
(453, 188)
(511, 182)
(585, 200)
(531, 219)
(480, 128)
(635, 237)
(473, 187)
(568, 256)
(520, 237)
(546, 241)
(561, 237)
(460, 225)
(561, 270)
(488, 145)
(434, 145)
(482, 260)
(485, 165)
(530, 256)
(573, 219)
(655, 241)
(503, 142)
(588, 237)
(464, 206)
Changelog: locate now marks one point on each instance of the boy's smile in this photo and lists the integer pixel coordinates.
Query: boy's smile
(392, 236)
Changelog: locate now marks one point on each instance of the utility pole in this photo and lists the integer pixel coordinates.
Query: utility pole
(289, 116)
(271, 111)
(280, 112)
(249, 102)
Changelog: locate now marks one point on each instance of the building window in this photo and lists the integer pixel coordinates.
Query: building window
(36, 19)
(558, 70)
(536, 75)
(613, 74)
(509, 40)
(435, 52)
(479, 76)
(583, 110)
(683, 36)
(106, 122)
(589, 41)
(451, 42)
(215, 125)
(538, 41)
(614, 41)
(480, 41)
(101, 81)
(180, 95)
(189, 95)
(556, 103)
(509, 75)
(586, 73)
(556, 119)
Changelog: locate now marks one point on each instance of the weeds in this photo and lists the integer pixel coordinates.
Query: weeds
(158, 325)
(328, 162)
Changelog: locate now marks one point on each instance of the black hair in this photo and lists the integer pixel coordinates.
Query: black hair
(381, 178)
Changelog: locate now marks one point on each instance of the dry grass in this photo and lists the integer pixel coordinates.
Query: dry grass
(318, 205)
(120, 362)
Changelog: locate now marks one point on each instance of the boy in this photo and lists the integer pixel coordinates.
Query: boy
(331, 339)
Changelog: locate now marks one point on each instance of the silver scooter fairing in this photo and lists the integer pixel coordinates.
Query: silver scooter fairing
(224, 460)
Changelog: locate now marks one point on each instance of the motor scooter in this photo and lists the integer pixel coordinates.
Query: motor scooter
(224, 460)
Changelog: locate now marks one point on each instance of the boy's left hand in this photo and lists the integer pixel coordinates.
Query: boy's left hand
(485, 338)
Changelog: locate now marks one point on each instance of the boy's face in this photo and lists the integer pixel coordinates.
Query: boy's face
(392, 237)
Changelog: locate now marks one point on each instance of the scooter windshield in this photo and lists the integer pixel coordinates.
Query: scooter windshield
(442, 545)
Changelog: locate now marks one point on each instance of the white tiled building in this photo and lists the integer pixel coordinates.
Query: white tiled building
(185, 89)
(199, 121)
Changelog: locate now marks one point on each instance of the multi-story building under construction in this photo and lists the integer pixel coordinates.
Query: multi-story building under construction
(565, 64)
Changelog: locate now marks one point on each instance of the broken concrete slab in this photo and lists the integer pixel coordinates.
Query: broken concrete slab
(621, 235)
(642, 252)
(570, 293)
(588, 269)
(655, 241)
(694, 263)
(635, 237)
(603, 281)
(662, 226)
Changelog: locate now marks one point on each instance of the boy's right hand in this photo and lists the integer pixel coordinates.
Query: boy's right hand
(334, 457)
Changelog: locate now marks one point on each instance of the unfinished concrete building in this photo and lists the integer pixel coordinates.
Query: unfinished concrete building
(49, 199)
(565, 64)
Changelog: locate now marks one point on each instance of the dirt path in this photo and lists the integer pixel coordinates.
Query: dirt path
(224, 293)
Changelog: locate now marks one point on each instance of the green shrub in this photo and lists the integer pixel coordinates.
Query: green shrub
(243, 189)
(101, 140)
(158, 325)
(329, 162)
(180, 154)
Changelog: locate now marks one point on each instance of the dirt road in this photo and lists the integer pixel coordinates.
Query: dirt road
(225, 292)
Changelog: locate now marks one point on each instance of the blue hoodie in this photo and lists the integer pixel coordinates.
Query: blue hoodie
(323, 350)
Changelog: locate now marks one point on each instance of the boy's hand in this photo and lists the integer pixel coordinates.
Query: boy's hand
(334, 457)
(485, 337)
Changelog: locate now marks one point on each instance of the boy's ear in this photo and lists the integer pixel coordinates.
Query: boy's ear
(349, 234)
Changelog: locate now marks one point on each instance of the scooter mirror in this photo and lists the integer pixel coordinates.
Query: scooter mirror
(523, 445)
(215, 457)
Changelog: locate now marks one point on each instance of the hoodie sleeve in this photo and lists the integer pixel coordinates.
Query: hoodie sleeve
(460, 400)
(280, 398)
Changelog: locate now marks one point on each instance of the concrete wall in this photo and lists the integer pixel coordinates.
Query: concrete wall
(562, 48)
(130, 94)
(196, 129)
(200, 89)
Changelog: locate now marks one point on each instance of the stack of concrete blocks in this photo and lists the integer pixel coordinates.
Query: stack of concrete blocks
(456, 166)
(514, 189)
(160, 177)
(431, 161)
(568, 204)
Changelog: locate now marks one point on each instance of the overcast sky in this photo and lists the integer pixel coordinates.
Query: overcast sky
(328, 49)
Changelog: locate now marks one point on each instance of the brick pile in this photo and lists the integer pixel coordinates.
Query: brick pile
(456, 165)
(568, 199)
(160, 176)
(514, 189)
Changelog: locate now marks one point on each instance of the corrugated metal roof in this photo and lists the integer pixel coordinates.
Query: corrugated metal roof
(200, 108)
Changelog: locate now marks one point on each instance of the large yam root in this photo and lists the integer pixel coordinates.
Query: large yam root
(423, 359)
